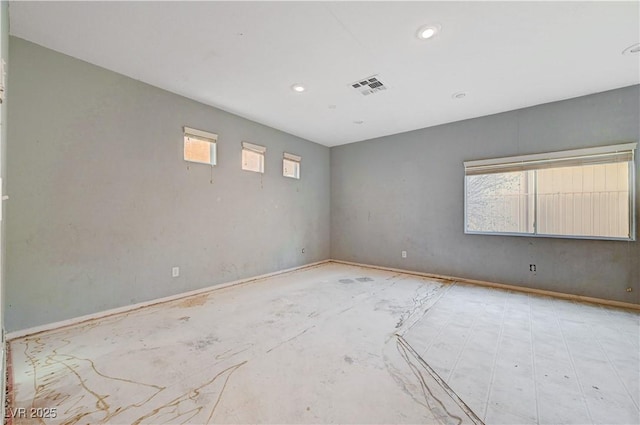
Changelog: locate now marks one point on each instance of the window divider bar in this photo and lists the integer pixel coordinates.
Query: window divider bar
(535, 202)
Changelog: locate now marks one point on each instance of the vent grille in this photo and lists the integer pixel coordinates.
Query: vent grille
(369, 85)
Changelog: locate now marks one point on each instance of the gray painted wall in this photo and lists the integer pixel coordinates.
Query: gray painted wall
(102, 204)
(405, 192)
(4, 55)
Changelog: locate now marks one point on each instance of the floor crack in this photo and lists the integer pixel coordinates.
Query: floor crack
(407, 353)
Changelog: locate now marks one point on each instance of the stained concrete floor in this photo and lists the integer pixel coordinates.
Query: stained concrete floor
(338, 344)
(516, 358)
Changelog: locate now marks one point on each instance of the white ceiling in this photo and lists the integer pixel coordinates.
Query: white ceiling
(243, 57)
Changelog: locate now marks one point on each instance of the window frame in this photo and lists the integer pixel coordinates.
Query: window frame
(203, 136)
(250, 147)
(295, 159)
(524, 162)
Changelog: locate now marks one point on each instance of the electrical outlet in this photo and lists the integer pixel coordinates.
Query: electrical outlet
(532, 267)
(175, 272)
(404, 254)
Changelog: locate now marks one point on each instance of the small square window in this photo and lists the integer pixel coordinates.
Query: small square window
(253, 157)
(291, 166)
(199, 146)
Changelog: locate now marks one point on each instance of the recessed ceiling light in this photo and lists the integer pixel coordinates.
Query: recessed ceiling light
(299, 88)
(459, 95)
(428, 31)
(332, 106)
(358, 122)
(635, 48)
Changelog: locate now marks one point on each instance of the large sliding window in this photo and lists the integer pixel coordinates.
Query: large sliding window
(583, 193)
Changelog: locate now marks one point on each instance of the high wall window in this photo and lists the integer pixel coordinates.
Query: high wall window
(291, 165)
(582, 193)
(200, 146)
(253, 157)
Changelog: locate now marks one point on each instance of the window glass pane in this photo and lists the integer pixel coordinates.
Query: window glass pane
(589, 200)
(290, 168)
(252, 161)
(580, 193)
(197, 150)
(500, 202)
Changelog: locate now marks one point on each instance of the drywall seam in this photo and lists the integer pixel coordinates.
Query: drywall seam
(525, 289)
(106, 313)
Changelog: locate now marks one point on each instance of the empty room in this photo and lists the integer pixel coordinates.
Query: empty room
(320, 212)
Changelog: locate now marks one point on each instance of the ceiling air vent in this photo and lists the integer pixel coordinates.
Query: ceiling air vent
(369, 85)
